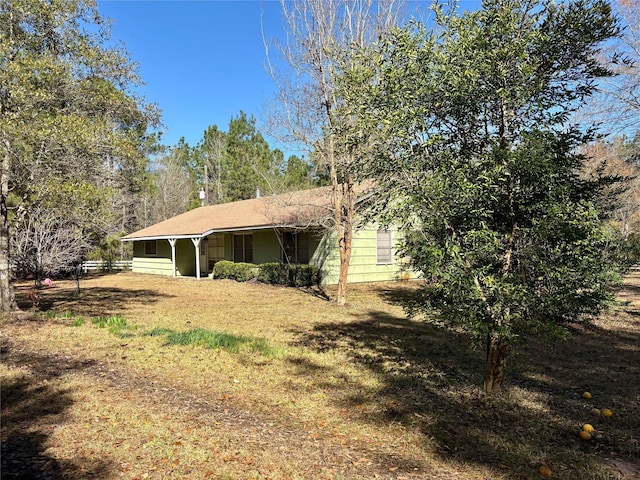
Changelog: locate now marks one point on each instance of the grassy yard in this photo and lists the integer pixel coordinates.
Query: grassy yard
(149, 377)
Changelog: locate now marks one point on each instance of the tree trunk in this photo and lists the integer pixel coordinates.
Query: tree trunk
(344, 205)
(496, 362)
(76, 276)
(7, 295)
(345, 260)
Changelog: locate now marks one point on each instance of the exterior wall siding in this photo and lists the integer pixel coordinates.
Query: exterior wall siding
(159, 264)
(363, 266)
(185, 258)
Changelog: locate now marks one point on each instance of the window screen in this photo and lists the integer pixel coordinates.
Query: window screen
(383, 244)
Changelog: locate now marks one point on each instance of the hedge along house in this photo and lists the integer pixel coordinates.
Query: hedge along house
(289, 228)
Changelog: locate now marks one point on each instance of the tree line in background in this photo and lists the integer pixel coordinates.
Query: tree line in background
(222, 167)
(225, 167)
(620, 158)
(515, 209)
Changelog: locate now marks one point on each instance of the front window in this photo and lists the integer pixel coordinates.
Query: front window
(243, 248)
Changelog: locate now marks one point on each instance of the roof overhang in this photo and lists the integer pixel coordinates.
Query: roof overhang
(216, 230)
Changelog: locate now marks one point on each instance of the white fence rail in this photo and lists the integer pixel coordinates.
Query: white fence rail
(102, 266)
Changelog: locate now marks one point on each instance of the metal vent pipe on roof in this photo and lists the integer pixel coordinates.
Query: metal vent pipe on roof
(257, 192)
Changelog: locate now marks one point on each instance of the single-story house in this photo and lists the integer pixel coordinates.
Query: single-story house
(289, 228)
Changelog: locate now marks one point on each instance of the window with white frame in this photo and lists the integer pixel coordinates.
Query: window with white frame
(243, 248)
(384, 253)
(150, 247)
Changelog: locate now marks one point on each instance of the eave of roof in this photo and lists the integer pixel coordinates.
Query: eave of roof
(301, 209)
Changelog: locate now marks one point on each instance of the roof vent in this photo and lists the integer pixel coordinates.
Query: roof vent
(257, 192)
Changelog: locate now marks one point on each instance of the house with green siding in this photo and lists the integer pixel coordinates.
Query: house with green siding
(289, 228)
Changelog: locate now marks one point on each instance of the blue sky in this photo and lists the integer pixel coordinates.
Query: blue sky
(202, 61)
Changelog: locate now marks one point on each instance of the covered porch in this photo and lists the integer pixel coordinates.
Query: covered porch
(196, 255)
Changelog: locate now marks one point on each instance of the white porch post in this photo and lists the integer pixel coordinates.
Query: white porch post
(172, 242)
(196, 244)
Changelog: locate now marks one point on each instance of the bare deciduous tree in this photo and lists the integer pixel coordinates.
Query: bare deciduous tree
(172, 189)
(323, 36)
(212, 148)
(617, 106)
(46, 243)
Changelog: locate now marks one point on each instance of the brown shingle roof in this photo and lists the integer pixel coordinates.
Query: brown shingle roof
(296, 209)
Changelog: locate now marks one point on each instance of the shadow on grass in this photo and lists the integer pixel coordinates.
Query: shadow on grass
(629, 289)
(90, 301)
(32, 406)
(430, 384)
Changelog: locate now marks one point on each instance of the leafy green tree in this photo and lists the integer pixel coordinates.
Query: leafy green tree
(249, 162)
(67, 113)
(299, 174)
(468, 142)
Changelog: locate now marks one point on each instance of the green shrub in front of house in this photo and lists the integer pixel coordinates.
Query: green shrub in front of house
(271, 273)
(291, 275)
(240, 272)
(274, 273)
(303, 275)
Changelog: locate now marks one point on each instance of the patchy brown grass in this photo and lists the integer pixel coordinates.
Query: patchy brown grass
(344, 393)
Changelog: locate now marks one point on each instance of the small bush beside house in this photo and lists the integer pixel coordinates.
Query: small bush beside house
(274, 273)
(270, 273)
(303, 275)
(291, 275)
(240, 272)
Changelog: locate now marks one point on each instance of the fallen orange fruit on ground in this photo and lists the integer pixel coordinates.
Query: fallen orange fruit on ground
(545, 471)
